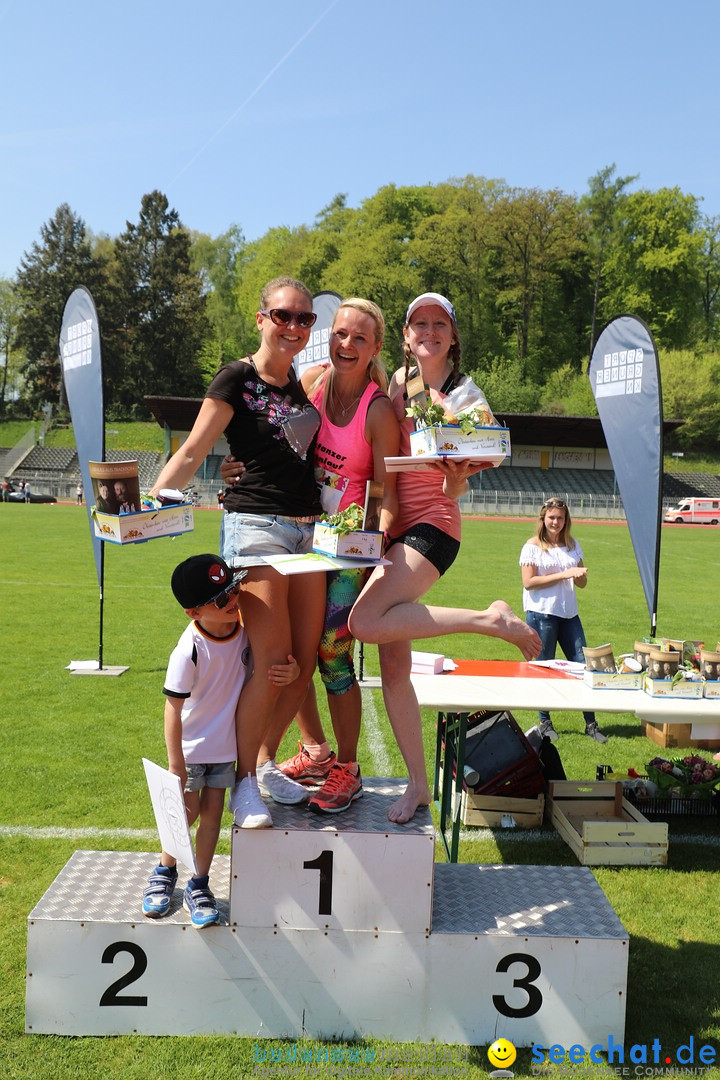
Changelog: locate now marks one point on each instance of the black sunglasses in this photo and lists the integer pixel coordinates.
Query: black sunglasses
(554, 502)
(223, 598)
(282, 317)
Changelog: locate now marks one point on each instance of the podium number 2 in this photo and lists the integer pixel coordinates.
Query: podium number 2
(323, 863)
(111, 995)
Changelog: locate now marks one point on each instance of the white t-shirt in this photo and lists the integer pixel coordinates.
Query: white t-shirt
(559, 598)
(209, 673)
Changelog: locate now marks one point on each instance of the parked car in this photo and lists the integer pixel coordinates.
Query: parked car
(35, 497)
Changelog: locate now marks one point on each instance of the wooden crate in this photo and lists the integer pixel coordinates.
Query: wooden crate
(604, 829)
(489, 810)
(669, 735)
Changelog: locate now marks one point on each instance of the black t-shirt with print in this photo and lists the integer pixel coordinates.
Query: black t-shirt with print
(273, 432)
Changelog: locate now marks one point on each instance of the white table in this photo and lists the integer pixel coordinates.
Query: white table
(499, 684)
(516, 686)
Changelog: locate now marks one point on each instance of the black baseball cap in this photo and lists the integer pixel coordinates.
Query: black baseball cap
(201, 579)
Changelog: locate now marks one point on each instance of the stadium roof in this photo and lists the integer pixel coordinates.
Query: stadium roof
(526, 429)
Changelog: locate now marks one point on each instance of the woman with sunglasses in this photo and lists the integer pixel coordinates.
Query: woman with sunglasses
(552, 569)
(424, 542)
(358, 431)
(271, 427)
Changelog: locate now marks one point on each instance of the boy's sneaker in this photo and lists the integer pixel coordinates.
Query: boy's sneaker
(246, 805)
(201, 905)
(303, 769)
(595, 733)
(278, 786)
(548, 731)
(342, 787)
(158, 891)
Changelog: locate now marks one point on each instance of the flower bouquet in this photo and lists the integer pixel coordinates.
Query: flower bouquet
(345, 521)
(691, 776)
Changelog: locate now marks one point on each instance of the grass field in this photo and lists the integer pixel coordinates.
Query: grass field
(72, 750)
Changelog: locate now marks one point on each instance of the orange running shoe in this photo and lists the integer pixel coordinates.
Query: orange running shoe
(304, 770)
(339, 791)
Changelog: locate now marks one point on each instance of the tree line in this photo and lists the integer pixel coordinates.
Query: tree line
(533, 274)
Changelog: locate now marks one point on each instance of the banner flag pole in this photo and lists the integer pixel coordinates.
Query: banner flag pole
(81, 364)
(624, 375)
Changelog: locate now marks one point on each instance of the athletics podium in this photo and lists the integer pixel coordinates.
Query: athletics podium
(332, 927)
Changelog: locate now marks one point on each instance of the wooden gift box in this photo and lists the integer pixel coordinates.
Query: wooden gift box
(489, 810)
(602, 828)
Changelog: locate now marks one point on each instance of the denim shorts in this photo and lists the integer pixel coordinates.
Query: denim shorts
(220, 774)
(245, 538)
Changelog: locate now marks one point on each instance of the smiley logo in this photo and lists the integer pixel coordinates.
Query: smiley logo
(502, 1053)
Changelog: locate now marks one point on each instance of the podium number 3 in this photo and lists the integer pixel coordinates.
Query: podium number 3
(526, 983)
(323, 863)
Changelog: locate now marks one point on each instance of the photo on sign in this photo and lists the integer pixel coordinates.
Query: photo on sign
(116, 486)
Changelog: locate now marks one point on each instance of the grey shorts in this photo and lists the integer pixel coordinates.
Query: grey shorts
(221, 774)
(245, 538)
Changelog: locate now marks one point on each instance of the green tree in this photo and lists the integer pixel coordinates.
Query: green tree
(216, 261)
(710, 276)
(161, 323)
(538, 235)
(376, 261)
(452, 249)
(567, 392)
(11, 357)
(48, 274)
(691, 392)
(505, 387)
(653, 269)
(602, 205)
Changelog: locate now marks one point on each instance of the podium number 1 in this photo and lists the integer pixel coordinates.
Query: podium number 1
(323, 863)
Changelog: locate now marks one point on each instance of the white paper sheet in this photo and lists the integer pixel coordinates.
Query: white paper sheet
(169, 806)
(311, 563)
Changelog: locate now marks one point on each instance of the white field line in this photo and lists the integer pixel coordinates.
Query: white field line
(374, 735)
(57, 832)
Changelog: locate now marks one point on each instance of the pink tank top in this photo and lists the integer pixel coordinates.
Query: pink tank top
(343, 456)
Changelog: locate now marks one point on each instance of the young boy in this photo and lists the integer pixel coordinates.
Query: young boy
(205, 674)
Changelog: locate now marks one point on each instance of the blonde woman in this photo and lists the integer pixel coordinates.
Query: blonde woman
(552, 569)
(358, 431)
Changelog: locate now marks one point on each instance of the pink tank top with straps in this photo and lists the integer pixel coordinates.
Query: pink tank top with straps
(343, 456)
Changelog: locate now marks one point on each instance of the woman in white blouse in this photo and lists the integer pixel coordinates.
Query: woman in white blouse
(552, 568)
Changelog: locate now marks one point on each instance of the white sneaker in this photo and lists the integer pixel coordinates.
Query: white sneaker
(247, 806)
(280, 787)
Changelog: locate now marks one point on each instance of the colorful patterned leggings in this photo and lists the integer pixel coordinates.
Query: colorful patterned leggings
(335, 652)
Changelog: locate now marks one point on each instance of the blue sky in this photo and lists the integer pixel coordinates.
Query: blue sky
(258, 114)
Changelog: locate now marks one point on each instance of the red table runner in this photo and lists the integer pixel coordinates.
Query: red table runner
(506, 669)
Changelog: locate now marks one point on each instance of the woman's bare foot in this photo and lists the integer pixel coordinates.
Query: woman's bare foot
(403, 809)
(511, 628)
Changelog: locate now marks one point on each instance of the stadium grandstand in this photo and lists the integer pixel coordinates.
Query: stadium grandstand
(551, 455)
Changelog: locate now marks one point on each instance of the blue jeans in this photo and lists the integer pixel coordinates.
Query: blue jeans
(568, 634)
